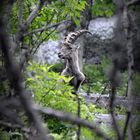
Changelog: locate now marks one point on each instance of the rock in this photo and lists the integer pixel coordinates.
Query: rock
(99, 44)
(104, 100)
(107, 119)
(103, 27)
(47, 52)
(94, 48)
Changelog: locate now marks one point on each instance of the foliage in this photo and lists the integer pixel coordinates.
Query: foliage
(53, 90)
(136, 124)
(103, 8)
(11, 135)
(4, 86)
(4, 135)
(136, 84)
(43, 24)
(48, 88)
(45, 85)
(121, 90)
(96, 78)
(51, 13)
(55, 12)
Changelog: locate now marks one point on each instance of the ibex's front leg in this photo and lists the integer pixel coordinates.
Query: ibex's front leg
(65, 72)
(80, 80)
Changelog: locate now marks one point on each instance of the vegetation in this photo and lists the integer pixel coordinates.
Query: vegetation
(35, 98)
(53, 90)
(103, 8)
(50, 89)
(96, 76)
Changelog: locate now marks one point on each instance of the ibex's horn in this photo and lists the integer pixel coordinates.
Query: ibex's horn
(71, 37)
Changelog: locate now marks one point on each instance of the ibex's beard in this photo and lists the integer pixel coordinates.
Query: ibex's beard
(61, 56)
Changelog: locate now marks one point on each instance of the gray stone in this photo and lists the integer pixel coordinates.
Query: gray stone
(103, 27)
(94, 46)
(47, 52)
(100, 43)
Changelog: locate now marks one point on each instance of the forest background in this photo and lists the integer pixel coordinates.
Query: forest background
(34, 105)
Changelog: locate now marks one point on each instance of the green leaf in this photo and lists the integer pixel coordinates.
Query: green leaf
(76, 21)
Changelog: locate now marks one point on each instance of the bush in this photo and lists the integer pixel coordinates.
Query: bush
(51, 89)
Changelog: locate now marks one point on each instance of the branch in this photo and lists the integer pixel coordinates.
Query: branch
(129, 28)
(20, 12)
(26, 55)
(34, 13)
(133, 2)
(38, 45)
(47, 27)
(72, 119)
(24, 27)
(16, 79)
(126, 125)
(112, 98)
(78, 115)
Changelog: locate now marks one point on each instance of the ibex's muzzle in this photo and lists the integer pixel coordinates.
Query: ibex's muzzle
(60, 55)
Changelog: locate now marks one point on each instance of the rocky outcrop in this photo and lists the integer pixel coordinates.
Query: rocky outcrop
(100, 43)
(94, 47)
(104, 100)
(102, 28)
(47, 52)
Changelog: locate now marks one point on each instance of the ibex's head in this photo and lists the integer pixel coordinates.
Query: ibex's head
(68, 48)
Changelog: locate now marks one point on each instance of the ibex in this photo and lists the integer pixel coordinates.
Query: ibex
(69, 52)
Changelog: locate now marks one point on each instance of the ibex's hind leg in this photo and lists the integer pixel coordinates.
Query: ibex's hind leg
(73, 83)
(76, 83)
(79, 82)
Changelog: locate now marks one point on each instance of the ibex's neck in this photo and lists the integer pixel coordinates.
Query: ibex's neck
(73, 64)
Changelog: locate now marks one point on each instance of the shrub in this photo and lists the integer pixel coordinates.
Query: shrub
(51, 89)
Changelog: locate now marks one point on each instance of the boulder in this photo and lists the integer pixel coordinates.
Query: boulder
(99, 44)
(48, 52)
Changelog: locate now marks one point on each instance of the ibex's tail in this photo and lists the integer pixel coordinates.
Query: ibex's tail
(71, 37)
